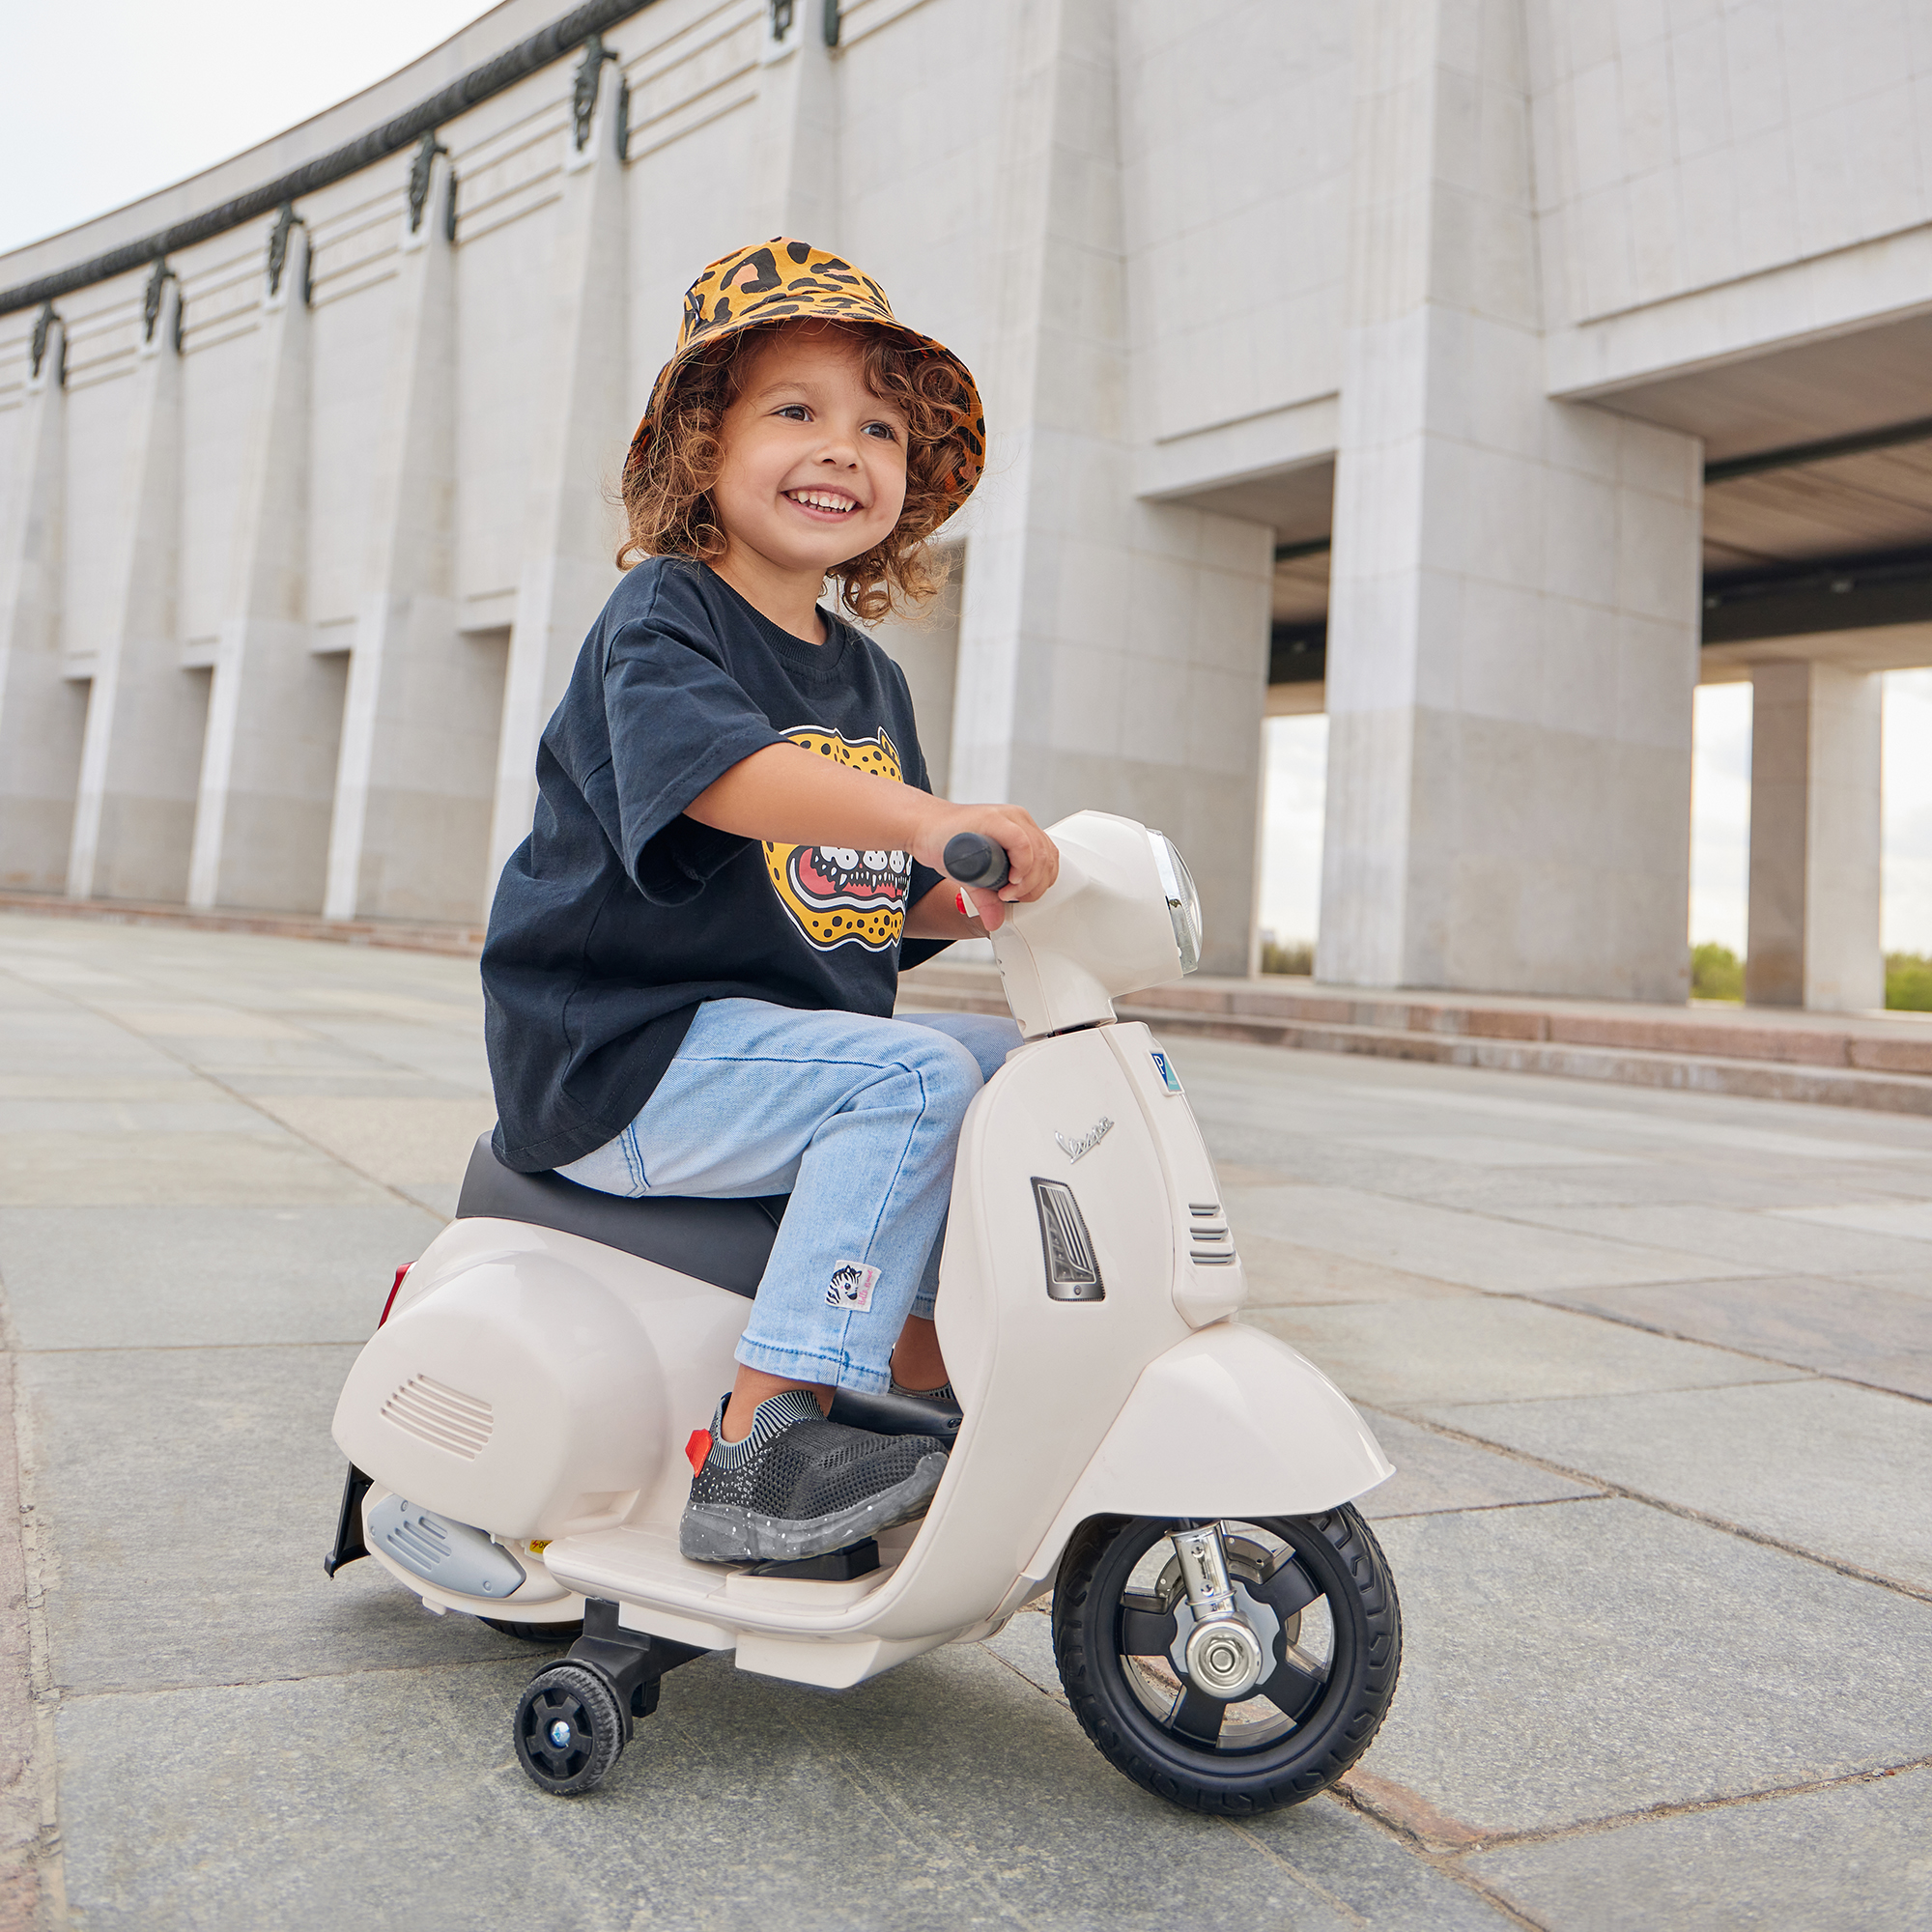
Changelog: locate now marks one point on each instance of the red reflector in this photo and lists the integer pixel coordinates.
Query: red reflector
(393, 1286)
(698, 1448)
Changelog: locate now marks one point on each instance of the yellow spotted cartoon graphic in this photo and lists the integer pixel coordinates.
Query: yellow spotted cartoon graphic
(836, 896)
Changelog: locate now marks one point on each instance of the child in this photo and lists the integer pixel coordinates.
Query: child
(693, 958)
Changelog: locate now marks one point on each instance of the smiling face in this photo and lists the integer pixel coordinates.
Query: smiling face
(813, 469)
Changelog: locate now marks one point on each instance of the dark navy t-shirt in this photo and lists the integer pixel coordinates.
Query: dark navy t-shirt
(618, 916)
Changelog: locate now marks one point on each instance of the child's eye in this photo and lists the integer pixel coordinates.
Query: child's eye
(797, 411)
(884, 431)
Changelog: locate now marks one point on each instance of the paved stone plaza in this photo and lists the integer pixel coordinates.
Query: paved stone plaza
(1654, 1367)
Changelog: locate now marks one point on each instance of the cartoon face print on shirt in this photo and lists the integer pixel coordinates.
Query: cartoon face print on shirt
(836, 896)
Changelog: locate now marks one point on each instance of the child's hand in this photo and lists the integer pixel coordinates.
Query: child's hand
(785, 794)
(1032, 855)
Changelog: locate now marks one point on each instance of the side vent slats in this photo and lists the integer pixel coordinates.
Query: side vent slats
(422, 1541)
(1213, 1246)
(444, 1417)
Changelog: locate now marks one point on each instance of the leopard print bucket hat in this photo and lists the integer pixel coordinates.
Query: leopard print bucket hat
(781, 280)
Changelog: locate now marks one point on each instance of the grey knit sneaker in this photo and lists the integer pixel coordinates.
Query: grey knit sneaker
(799, 1486)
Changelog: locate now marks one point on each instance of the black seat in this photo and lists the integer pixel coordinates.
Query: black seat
(725, 1242)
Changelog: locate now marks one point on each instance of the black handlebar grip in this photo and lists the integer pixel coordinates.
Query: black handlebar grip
(974, 861)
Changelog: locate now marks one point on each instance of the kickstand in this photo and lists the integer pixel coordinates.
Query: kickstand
(349, 1544)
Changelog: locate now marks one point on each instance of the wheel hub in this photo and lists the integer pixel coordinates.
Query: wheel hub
(1248, 1561)
(1223, 1658)
(559, 1733)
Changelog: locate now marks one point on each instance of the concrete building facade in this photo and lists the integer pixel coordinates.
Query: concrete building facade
(1484, 372)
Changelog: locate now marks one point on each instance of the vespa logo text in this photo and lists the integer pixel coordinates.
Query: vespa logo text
(1088, 1141)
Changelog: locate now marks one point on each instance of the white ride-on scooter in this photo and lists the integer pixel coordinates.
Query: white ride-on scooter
(1224, 1622)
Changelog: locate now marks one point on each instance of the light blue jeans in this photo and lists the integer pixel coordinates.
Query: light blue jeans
(857, 1119)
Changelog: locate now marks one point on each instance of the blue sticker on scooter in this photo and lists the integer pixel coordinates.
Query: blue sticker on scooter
(1169, 1078)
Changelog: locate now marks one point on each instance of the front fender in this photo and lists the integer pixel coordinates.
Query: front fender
(1229, 1423)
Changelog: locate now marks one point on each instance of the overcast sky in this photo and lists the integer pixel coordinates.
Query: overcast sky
(103, 103)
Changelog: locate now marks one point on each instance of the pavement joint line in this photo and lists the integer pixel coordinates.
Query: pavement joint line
(1617, 1240)
(1617, 1821)
(1294, 1871)
(1619, 1493)
(913, 1832)
(1699, 1341)
(1031, 1683)
(1445, 1862)
(1489, 1509)
(235, 1093)
(1523, 1296)
(62, 1695)
(1680, 1388)
(1450, 1861)
(1531, 1299)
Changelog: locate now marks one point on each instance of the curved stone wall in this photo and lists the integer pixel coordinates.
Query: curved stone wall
(307, 465)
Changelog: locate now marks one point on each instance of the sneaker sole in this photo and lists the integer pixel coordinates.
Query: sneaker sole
(723, 1535)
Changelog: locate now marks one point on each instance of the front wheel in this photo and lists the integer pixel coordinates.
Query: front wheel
(1316, 1593)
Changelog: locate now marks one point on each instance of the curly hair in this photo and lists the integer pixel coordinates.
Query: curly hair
(668, 480)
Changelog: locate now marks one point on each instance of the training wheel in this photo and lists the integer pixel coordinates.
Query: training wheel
(568, 1729)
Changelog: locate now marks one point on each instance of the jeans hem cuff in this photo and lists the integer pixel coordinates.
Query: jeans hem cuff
(821, 1368)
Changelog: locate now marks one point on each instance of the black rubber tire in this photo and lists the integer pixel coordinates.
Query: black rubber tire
(1340, 1556)
(559, 1637)
(577, 1696)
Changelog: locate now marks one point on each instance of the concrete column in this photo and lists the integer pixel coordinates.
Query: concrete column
(1814, 838)
(40, 710)
(133, 820)
(1513, 604)
(419, 721)
(275, 711)
(793, 181)
(1112, 653)
(570, 529)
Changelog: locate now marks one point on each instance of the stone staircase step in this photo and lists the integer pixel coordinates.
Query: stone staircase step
(1815, 1059)
(412, 935)
(1635, 1066)
(1884, 1046)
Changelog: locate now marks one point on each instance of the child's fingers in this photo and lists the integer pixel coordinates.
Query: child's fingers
(1031, 857)
(1033, 872)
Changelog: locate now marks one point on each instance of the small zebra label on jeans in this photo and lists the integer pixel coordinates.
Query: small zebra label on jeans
(851, 1286)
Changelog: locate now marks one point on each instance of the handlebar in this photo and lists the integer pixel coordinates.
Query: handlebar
(975, 860)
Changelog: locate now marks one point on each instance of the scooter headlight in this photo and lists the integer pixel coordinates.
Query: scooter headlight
(1184, 903)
